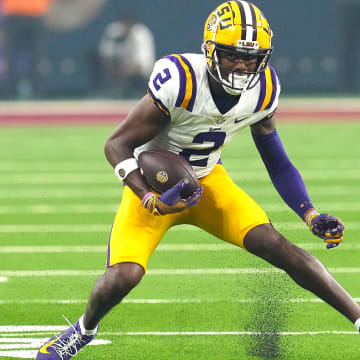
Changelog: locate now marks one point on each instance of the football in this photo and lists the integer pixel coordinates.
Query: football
(163, 169)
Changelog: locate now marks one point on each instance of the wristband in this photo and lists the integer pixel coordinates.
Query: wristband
(148, 202)
(310, 215)
(124, 168)
(146, 198)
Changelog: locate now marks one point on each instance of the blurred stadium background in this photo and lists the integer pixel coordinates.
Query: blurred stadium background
(316, 43)
(58, 195)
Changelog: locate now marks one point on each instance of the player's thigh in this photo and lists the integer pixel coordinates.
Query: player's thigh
(135, 232)
(225, 210)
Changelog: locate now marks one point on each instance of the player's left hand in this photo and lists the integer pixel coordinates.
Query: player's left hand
(327, 227)
(170, 201)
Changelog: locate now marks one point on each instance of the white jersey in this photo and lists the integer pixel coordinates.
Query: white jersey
(198, 130)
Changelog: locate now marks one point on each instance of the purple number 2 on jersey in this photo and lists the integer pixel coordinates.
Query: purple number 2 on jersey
(160, 78)
(217, 138)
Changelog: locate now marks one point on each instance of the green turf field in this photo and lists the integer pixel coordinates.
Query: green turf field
(201, 299)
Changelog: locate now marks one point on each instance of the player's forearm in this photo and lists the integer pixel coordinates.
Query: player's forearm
(116, 153)
(137, 184)
(285, 177)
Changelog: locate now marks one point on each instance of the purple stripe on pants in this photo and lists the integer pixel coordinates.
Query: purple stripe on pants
(108, 252)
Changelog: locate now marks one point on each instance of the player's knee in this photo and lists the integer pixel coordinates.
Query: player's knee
(266, 242)
(122, 278)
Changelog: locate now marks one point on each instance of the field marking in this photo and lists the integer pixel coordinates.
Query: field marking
(222, 246)
(105, 228)
(107, 178)
(51, 193)
(115, 191)
(194, 333)
(78, 178)
(232, 163)
(20, 347)
(161, 301)
(258, 175)
(156, 272)
(167, 272)
(3, 279)
(50, 228)
(222, 333)
(111, 208)
(8, 330)
(61, 209)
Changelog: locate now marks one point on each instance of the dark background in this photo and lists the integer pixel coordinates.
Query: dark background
(316, 43)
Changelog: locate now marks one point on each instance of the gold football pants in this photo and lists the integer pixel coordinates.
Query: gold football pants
(224, 211)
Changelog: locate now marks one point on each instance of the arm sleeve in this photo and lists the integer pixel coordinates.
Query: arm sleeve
(284, 175)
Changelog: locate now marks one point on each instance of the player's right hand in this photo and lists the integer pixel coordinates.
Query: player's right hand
(170, 201)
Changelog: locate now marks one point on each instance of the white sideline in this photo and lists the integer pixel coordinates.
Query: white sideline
(162, 272)
(3, 279)
(162, 247)
(105, 228)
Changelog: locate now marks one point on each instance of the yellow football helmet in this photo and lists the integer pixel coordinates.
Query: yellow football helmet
(239, 28)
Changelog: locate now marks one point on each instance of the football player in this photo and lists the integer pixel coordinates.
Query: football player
(195, 105)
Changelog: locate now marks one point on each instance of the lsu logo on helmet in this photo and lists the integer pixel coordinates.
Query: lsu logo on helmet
(240, 27)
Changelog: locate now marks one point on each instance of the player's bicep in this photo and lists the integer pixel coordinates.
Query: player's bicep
(264, 127)
(142, 124)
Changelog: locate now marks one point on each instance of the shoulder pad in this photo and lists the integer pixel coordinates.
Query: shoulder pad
(188, 86)
(268, 89)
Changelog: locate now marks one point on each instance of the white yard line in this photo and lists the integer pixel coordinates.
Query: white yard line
(60, 209)
(166, 272)
(68, 178)
(112, 192)
(111, 208)
(51, 193)
(90, 228)
(222, 333)
(160, 301)
(96, 177)
(50, 329)
(162, 247)
(307, 174)
(232, 163)
(50, 228)
(9, 331)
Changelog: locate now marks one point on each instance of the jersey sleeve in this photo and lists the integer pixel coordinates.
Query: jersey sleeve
(173, 84)
(163, 85)
(269, 93)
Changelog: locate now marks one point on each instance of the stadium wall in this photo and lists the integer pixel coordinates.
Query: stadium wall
(112, 112)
